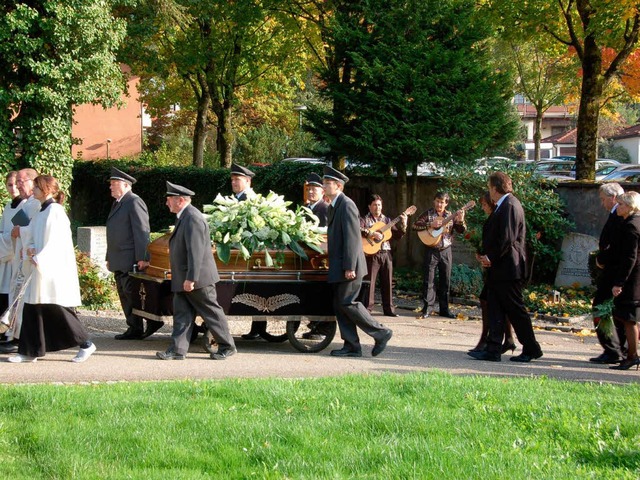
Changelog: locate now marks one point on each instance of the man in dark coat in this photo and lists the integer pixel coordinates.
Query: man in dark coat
(614, 343)
(503, 243)
(127, 240)
(347, 267)
(193, 278)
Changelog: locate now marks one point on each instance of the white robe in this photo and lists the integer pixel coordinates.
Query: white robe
(7, 246)
(55, 277)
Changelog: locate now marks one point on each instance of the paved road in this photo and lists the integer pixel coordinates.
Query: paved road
(417, 345)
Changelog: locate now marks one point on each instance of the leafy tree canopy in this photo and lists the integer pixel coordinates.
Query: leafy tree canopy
(412, 81)
(53, 55)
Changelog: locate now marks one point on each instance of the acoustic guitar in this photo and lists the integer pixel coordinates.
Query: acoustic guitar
(371, 246)
(431, 236)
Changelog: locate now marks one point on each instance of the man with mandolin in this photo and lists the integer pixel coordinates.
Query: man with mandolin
(435, 228)
(377, 229)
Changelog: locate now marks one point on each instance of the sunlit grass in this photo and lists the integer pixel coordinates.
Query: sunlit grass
(423, 425)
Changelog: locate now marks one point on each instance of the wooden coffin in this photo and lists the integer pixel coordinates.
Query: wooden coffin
(286, 261)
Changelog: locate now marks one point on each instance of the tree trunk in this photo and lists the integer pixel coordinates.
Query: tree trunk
(200, 130)
(402, 202)
(589, 112)
(537, 134)
(225, 136)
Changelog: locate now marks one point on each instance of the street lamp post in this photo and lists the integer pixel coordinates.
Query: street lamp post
(300, 109)
(108, 143)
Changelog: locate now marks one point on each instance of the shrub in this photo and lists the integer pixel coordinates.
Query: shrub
(466, 281)
(96, 290)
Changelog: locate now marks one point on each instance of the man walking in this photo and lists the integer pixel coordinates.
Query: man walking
(193, 278)
(347, 266)
(503, 242)
(127, 240)
(613, 344)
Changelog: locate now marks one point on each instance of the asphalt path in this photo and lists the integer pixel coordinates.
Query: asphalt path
(435, 343)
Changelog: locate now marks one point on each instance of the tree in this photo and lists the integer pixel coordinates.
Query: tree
(545, 77)
(53, 55)
(411, 81)
(216, 48)
(587, 28)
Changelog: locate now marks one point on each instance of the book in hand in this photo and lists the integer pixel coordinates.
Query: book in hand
(20, 219)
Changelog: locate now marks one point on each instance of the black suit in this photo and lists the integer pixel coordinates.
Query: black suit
(345, 253)
(503, 242)
(613, 344)
(191, 259)
(321, 210)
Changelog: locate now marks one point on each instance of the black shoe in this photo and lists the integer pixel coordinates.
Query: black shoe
(523, 358)
(381, 344)
(346, 352)
(508, 346)
(391, 314)
(627, 364)
(223, 354)
(130, 334)
(251, 336)
(605, 358)
(170, 355)
(485, 356)
(9, 347)
(152, 327)
(448, 315)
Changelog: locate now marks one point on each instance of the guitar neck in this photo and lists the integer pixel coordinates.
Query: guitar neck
(390, 224)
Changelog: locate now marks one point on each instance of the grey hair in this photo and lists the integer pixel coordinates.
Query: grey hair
(611, 189)
(631, 199)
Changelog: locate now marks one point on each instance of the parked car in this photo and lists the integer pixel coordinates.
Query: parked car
(570, 158)
(604, 166)
(626, 173)
(306, 160)
(555, 168)
(483, 164)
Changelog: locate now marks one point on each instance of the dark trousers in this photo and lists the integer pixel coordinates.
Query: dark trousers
(504, 300)
(442, 261)
(124, 285)
(203, 302)
(380, 264)
(351, 314)
(613, 345)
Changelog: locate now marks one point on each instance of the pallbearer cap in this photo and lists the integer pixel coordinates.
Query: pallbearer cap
(333, 174)
(240, 170)
(120, 175)
(174, 190)
(315, 180)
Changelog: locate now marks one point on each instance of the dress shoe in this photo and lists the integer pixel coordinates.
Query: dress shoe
(524, 358)
(508, 346)
(391, 314)
(9, 347)
(170, 355)
(485, 356)
(223, 354)
(627, 364)
(605, 358)
(152, 327)
(312, 336)
(423, 315)
(346, 352)
(251, 336)
(381, 344)
(130, 334)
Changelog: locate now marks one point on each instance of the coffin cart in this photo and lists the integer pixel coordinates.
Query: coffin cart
(292, 296)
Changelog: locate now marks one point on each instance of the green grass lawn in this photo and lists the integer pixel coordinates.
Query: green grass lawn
(423, 425)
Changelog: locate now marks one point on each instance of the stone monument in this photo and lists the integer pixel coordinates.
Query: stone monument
(574, 266)
(93, 242)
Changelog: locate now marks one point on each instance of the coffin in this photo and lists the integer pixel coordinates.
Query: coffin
(285, 261)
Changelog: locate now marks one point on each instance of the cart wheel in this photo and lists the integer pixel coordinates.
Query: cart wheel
(310, 336)
(209, 342)
(275, 332)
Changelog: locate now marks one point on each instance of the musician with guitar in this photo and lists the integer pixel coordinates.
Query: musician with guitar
(377, 229)
(435, 228)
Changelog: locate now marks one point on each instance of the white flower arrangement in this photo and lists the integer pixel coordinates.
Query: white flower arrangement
(261, 223)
